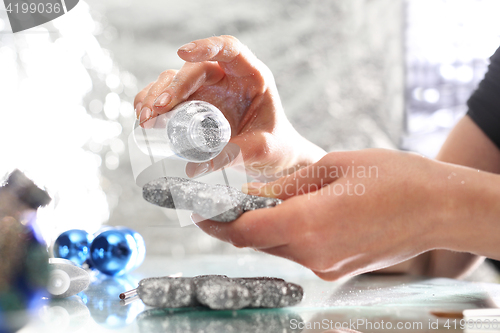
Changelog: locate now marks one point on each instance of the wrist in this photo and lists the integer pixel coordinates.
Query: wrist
(296, 152)
(307, 153)
(471, 213)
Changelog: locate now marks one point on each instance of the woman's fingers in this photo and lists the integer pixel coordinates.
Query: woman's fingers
(190, 78)
(234, 57)
(208, 61)
(229, 156)
(139, 98)
(306, 180)
(217, 48)
(258, 229)
(173, 87)
(329, 276)
(153, 94)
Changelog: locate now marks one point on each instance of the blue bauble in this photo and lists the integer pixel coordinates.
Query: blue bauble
(116, 251)
(140, 245)
(73, 245)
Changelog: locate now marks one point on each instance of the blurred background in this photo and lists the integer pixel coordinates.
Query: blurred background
(352, 74)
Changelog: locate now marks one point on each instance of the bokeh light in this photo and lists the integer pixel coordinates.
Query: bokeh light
(62, 104)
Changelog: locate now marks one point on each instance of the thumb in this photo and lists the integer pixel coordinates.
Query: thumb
(303, 181)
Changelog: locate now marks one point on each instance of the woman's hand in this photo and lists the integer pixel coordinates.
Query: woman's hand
(224, 72)
(360, 211)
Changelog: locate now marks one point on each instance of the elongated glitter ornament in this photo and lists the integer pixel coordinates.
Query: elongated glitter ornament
(216, 202)
(218, 292)
(221, 293)
(167, 292)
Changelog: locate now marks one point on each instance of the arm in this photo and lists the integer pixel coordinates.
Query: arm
(470, 145)
(466, 145)
(339, 222)
(417, 205)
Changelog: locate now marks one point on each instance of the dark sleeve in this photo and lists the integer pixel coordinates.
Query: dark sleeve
(484, 104)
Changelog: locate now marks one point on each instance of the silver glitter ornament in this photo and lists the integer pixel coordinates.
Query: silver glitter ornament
(167, 292)
(206, 200)
(218, 292)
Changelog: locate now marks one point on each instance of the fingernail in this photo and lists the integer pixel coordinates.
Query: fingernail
(138, 110)
(163, 99)
(201, 169)
(187, 47)
(252, 188)
(195, 218)
(145, 114)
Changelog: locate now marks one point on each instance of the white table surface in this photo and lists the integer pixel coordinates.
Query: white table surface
(366, 300)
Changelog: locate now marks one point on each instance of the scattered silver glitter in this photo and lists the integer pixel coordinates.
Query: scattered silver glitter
(272, 292)
(167, 292)
(158, 191)
(218, 292)
(204, 199)
(221, 293)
